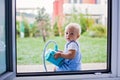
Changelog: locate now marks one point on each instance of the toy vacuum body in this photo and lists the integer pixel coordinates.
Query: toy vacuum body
(50, 57)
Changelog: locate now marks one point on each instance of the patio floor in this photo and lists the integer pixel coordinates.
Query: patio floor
(40, 68)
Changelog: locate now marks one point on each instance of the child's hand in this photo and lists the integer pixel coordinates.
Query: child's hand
(57, 54)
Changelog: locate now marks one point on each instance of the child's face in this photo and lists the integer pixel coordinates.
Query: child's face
(71, 34)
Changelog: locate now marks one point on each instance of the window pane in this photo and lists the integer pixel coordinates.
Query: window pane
(80, 1)
(2, 38)
(98, 1)
(39, 21)
(75, 1)
(70, 1)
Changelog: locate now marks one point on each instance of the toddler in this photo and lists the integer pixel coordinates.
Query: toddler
(71, 51)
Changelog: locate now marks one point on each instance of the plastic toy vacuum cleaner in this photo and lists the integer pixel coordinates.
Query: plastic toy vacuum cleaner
(49, 55)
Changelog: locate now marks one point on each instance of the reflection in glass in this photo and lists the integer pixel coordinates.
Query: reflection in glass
(2, 38)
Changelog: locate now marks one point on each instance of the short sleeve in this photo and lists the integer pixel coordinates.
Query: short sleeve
(72, 46)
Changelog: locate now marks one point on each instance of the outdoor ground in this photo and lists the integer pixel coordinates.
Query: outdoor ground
(40, 68)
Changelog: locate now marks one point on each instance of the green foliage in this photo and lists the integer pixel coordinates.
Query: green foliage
(97, 30)
(29, 29)
(42, 16)
(26, 28)
(85, 22)
(90, 22)
(55, 29)
(58, 28)
(32, 29)
(43, 22)
(17, 28)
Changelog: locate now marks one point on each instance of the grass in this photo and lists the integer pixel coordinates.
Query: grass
(29, 50)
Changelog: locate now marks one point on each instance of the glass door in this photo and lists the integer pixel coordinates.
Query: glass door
(2, 38)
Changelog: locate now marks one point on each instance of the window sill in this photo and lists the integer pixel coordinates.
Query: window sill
(7, 76)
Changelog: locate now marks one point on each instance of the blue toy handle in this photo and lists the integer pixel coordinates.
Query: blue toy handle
(56, 47)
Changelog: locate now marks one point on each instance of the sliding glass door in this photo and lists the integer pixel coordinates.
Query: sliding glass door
(2, 38)
(7, 40)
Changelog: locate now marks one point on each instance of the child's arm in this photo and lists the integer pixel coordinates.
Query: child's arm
(69, 55)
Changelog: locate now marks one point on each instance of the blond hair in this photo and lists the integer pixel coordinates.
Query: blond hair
(75, 26)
